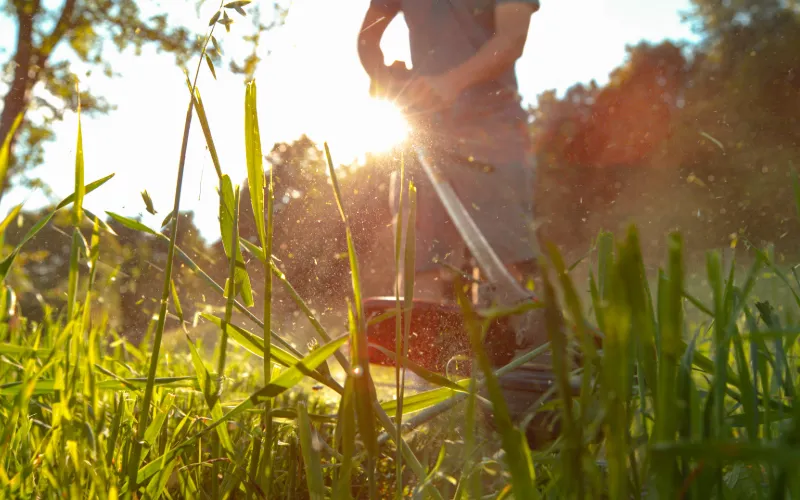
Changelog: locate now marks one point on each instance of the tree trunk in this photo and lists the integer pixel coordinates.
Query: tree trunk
(18, 97)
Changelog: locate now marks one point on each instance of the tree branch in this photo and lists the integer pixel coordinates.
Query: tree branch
(61, 28)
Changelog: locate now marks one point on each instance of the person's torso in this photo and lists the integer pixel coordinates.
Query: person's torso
(443, 35)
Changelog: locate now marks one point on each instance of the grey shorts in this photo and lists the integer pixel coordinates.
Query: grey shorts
(493, 176)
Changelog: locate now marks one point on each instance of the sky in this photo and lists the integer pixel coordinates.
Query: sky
(310, 82)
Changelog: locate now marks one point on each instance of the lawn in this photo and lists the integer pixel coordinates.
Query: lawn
(690, 396)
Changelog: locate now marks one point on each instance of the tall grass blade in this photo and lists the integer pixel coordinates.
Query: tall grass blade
(74, 263)
(5, 149)
(470, 483)
(360, 359)
(587, 341)
(354, 269)
(255, 177)
(291, 376)
(111, 443)
(5, 264)
(160, 417)
(49, 386)
(714, 267)
(230, 295)
(346, 430)
(255, 169)
(671, 326)
(233, 251)
(230, 292)
(561, 367)
(409, 267)
(605, 256)
(747, 386)
(422, 372)
(131, 223)
(72, 298)
(518, 457)
(75, 254)
(399, 343)
(211, 393)
(12, 215)
(255, 345)
(425, 399)
(615, 371)
(80, 189)
(684, 387)
(203, 118)
(176, 302)
(144, 411)
(597, 304)
(157, 484)
(311, 455)
(16, 350)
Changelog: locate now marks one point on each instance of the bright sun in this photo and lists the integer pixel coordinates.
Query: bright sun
(388, 127)
(367, 126)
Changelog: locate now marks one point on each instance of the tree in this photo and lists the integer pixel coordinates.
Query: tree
(717, 20)
(698, 137)
(738, 131)
(591, 142)
(42, 79)
(85, 29)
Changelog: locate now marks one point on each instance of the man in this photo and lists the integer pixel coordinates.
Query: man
(462, 103)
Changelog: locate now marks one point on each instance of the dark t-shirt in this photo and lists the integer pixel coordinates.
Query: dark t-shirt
(481, 144)
(444, 34)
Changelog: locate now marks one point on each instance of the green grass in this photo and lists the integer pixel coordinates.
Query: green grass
(691, 396)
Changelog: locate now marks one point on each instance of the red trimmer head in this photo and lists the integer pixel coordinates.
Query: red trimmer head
(437, 334)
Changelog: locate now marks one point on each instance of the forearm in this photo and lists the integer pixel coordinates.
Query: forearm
(370, 55)
(369, 40)
(494, 58)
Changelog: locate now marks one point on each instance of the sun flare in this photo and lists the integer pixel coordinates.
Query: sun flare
(386, 126)
(364, 126)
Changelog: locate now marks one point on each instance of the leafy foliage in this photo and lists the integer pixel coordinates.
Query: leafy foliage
(54, 40)
(697, 137)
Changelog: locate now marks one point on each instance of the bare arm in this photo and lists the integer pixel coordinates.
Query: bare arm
(501, 51)
(375, 22)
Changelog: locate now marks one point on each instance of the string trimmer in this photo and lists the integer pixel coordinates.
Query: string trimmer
(437, 329)
(438, 334)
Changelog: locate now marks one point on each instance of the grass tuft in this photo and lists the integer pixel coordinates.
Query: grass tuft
(692, 393)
